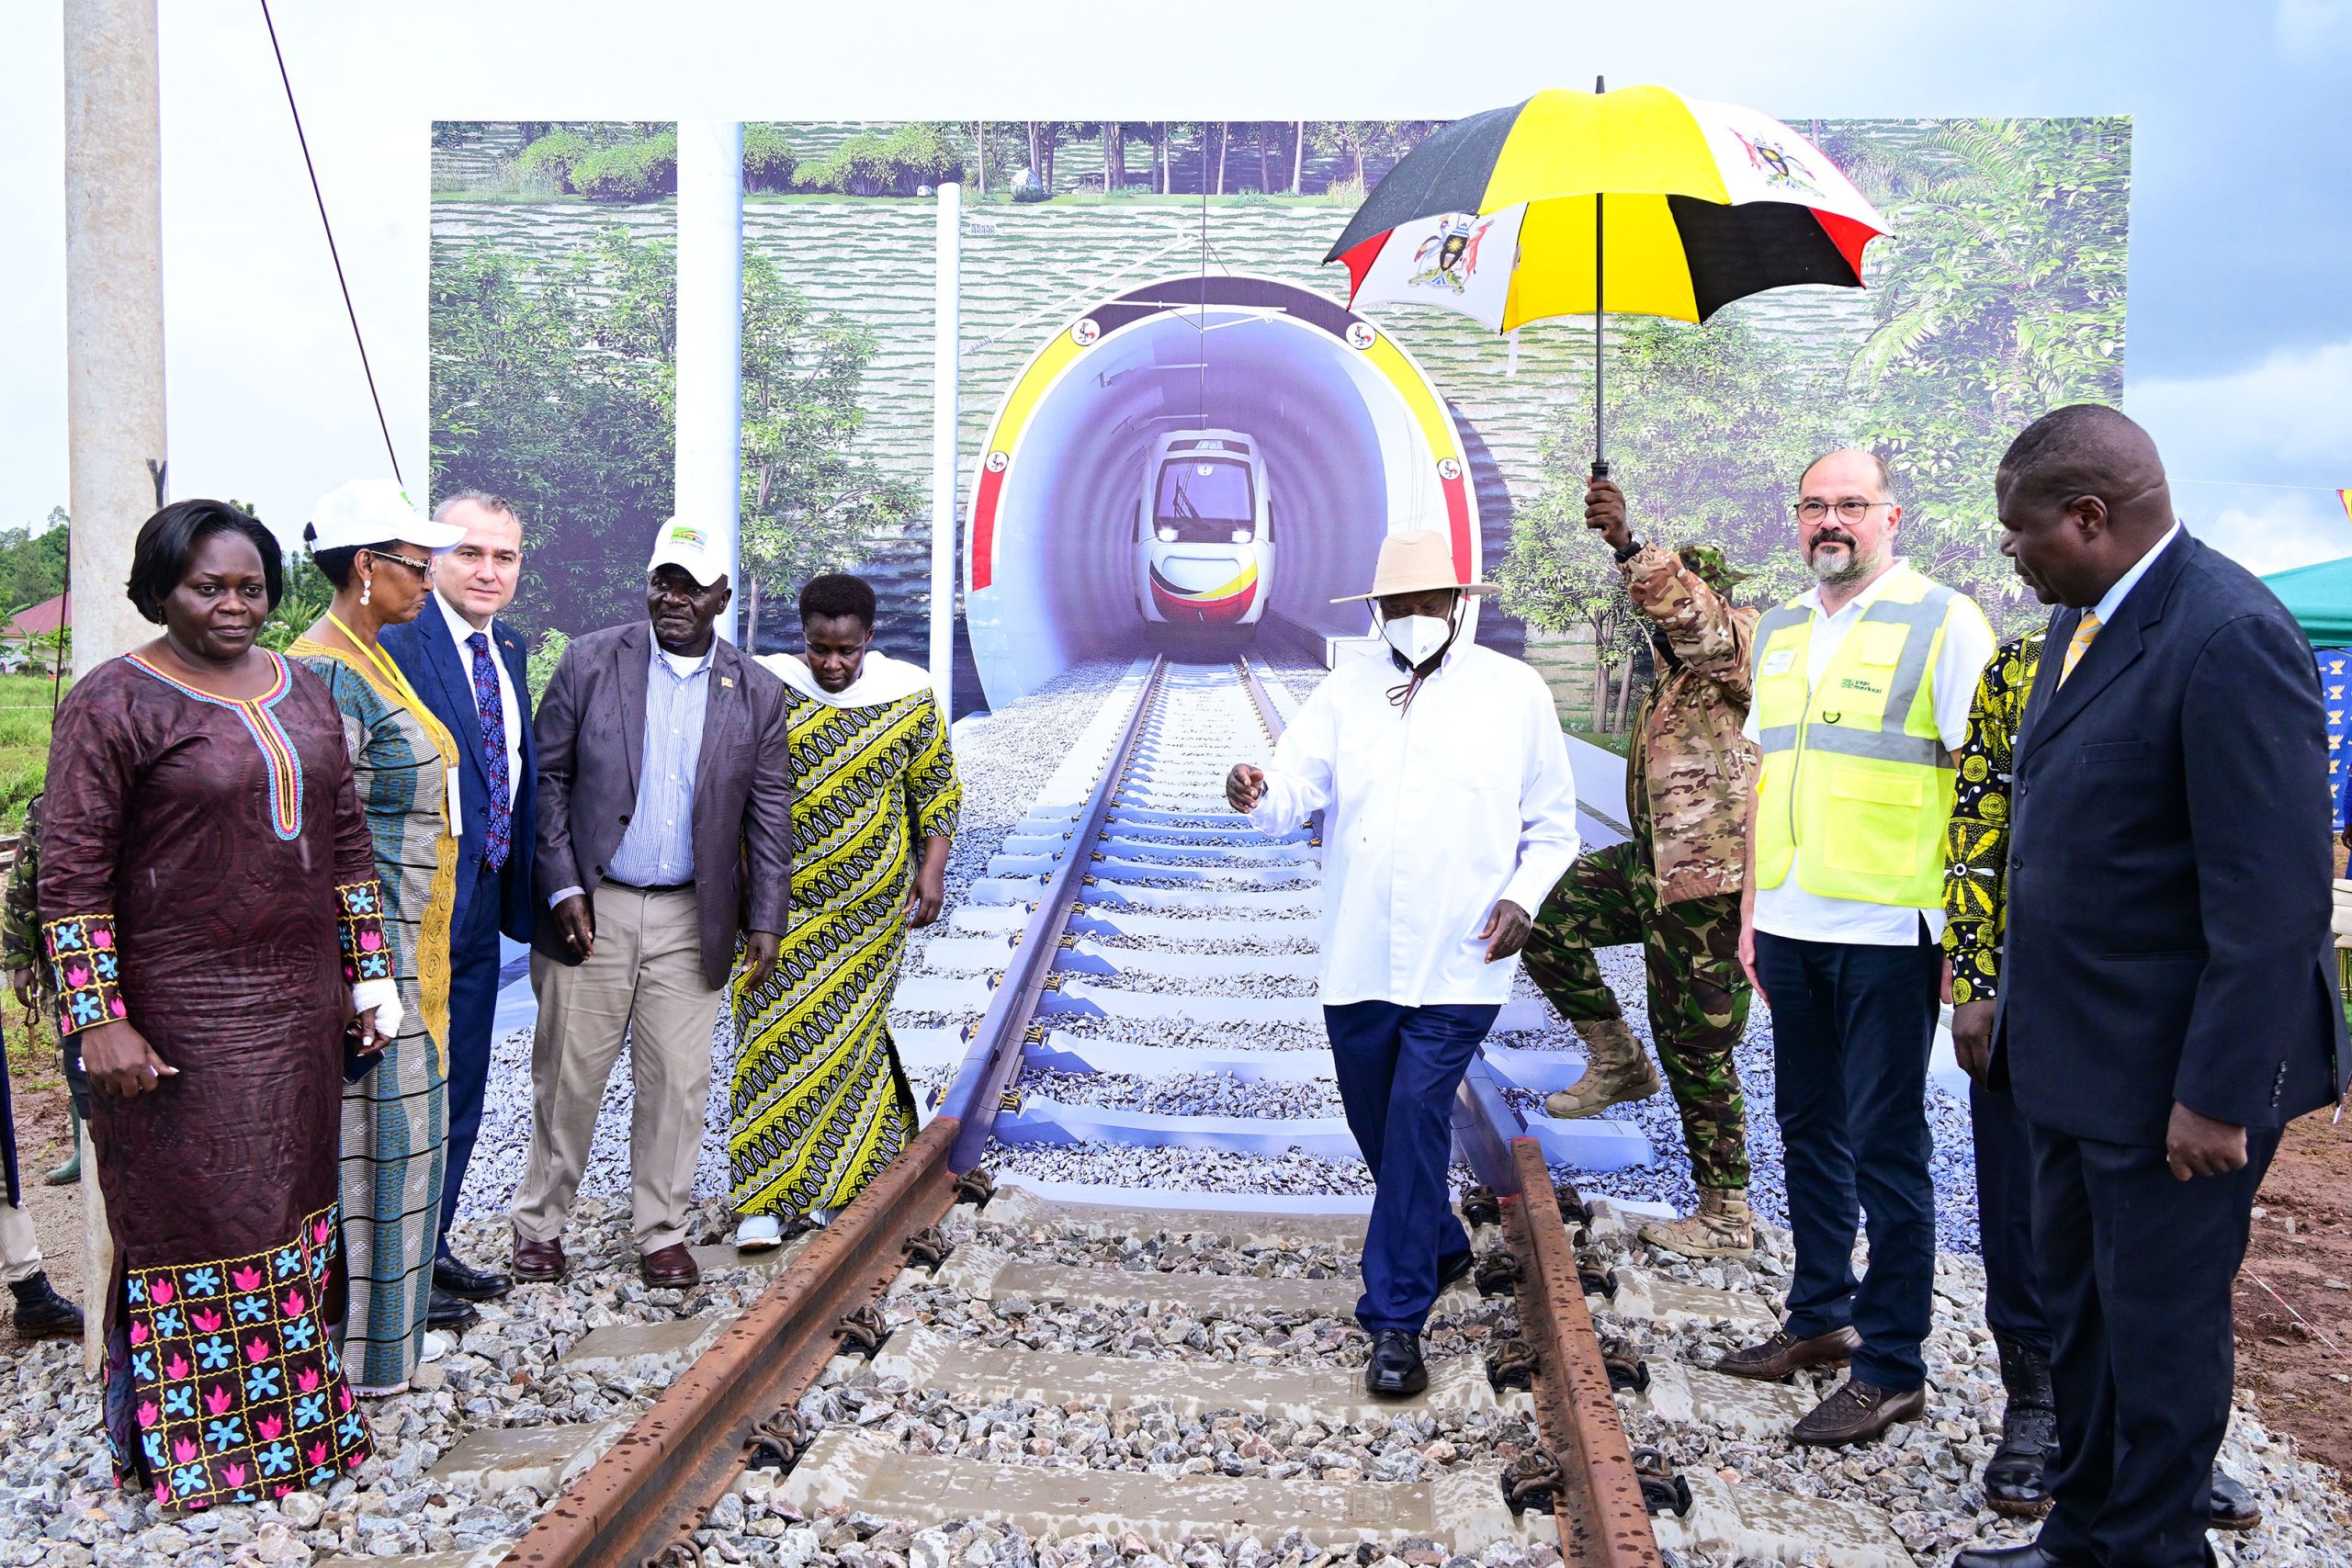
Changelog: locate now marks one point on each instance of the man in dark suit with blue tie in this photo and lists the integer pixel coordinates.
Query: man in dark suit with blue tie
(2167, 989)
(469, 669)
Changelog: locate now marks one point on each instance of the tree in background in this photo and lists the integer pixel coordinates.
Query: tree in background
(811, 504)
(1999, 296)
(33, 566)
(1356, 142)
(556, 390)
(769, 161)
(1708, 427)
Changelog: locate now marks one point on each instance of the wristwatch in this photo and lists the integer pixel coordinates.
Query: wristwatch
(1633, 548)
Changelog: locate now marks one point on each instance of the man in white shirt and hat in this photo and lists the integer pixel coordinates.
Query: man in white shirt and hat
(1449, 813)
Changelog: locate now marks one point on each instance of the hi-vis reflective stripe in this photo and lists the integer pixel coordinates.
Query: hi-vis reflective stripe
(1883, 745)
(1889, 742)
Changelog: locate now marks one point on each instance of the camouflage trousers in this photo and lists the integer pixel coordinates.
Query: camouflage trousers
(1698, 994)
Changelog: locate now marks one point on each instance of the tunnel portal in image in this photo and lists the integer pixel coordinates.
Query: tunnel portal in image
(1353, 440)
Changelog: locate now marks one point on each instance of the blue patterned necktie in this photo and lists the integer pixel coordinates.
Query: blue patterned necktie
(501, 824)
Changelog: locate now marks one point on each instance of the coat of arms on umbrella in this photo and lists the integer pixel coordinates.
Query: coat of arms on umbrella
(1448, 256)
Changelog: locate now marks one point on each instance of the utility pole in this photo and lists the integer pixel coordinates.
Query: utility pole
(114, 382)
(114, 311)
(709, 491)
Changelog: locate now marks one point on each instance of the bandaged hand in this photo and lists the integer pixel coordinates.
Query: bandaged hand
(382, 998)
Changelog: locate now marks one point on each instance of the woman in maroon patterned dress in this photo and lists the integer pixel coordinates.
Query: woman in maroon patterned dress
(209, 903)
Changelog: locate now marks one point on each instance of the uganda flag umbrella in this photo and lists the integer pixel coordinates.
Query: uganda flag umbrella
(1639, 201)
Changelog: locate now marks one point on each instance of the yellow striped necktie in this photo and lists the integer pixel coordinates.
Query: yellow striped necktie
(2085, 635)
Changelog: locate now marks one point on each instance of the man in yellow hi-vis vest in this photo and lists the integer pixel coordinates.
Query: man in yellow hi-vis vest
(1861, 691)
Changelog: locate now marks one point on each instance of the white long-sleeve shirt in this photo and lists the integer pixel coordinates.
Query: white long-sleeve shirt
(1430, 816)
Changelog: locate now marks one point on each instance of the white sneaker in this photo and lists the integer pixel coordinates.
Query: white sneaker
(757, 1232)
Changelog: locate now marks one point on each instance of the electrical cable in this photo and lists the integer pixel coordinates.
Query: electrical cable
(333, 254)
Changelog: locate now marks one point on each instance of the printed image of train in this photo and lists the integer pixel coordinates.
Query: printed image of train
(1204, 531)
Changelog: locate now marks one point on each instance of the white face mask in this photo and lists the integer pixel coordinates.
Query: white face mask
(1417, 637)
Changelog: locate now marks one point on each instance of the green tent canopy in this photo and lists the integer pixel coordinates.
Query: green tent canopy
(2319, 598)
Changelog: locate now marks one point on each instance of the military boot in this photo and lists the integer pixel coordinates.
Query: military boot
(2014, 1482)
(41, 1313)
(1616, 1071)
(1720, 1228)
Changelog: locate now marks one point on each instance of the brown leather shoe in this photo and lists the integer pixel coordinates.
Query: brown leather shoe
(669, 1269)
(1784, 1353)
(1856, 1411)
(538, 1260)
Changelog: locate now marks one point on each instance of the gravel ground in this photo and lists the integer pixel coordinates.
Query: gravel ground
(1925, 1473)
(59, 1507)
(1189, 1094)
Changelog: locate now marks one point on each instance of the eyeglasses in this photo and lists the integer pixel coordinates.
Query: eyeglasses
(418, 567)
(1853, 509)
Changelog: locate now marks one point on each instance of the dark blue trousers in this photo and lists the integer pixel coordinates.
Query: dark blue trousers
(1852, 1026)
(2136, 1272)
(473, 996)
(1398, 1067)
(2005, 1218)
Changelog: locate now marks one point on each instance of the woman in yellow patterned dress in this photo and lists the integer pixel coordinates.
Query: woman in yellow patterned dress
(375, 551)
(819, 1103)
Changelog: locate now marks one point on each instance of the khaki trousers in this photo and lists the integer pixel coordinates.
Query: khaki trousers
(643, 982)
(19, 1249)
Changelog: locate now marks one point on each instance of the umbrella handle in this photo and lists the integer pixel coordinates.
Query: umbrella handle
(1600, 270)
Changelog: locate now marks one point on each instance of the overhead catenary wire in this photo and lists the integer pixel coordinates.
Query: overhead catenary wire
(332, 253)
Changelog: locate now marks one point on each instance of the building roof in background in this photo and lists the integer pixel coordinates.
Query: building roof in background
(39, 620)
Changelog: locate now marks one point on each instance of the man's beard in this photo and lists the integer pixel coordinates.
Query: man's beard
(1850, 567)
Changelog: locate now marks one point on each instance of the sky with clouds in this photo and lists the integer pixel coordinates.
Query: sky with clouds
(2240, 336)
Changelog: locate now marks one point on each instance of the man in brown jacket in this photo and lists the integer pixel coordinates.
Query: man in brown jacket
(664, 834)
(1673, 886)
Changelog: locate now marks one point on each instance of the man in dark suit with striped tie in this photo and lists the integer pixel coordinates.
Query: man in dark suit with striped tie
(2169, 996)
(469, 669)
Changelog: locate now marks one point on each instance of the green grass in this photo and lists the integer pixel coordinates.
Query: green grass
(1608, 741)
(24, 744)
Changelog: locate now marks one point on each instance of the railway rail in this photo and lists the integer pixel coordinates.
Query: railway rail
(740, 1402)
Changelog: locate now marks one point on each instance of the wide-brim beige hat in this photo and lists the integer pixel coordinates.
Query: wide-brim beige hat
(1414, 562)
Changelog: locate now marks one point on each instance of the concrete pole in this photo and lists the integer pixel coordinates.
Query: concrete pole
(710, 340)
(114, 389)
(946, 275)
(114, 310)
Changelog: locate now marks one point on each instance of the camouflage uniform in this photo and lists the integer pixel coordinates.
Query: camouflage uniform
(1674, 885)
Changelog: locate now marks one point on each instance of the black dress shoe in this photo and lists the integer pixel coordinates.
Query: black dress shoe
(2232, 1506)
(2030, 1555)
(1396, 1370)
(460, 1279)
(449, 1312)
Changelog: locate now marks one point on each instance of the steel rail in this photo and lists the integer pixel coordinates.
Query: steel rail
(1603, 1518)
(994, 1054)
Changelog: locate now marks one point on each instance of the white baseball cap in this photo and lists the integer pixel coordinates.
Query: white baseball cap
(375, 512)
(690, 547)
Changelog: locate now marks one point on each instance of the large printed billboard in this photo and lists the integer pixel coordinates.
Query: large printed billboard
(1174, 430)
